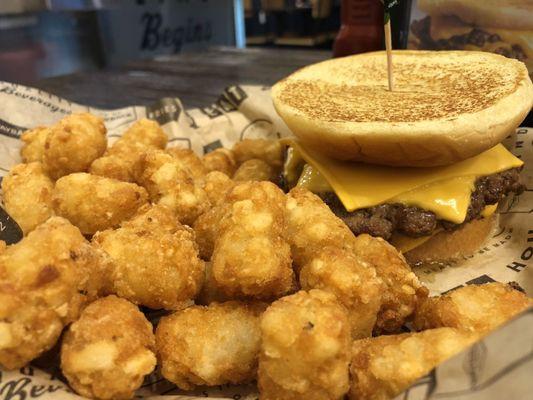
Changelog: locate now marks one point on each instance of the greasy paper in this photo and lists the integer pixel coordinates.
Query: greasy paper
(244, 112)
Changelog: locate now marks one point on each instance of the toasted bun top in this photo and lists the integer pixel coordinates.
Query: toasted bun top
(512, 14)
(446, 106)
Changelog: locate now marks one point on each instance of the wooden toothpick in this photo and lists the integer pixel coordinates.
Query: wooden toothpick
(388, 47)
(387, 6)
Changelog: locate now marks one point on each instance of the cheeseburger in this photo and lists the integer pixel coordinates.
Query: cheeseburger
(499, 26)
(421, 166)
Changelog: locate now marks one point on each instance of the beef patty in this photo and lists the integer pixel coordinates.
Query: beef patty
(384, 219)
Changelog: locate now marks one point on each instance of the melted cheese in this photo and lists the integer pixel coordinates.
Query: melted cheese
(444, 190)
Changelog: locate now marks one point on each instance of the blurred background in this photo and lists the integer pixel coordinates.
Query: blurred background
(45, 38)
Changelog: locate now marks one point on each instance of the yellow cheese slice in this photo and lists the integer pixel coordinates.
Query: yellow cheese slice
(444, 190)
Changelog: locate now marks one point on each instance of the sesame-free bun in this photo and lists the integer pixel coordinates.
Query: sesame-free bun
(451, 246)
(506, 14)
(446, 106)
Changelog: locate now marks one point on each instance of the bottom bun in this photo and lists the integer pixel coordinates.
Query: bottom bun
(451, 246)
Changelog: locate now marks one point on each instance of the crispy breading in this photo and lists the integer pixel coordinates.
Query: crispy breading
(94, 203)
(383, 367)
(473, 308)
(154, 260)
(34, 140)
(212, 345)
(270, 151)
(27, 195)
(216, 185)
(305, 348)
(251, 257)
(73, 144)
(45, 280)
(170, 184)
(311, 225)
(188, 159)
(121, 159)
(403, 291)
(221, 160)
(254, 170)
(353, 281)
(109, 350)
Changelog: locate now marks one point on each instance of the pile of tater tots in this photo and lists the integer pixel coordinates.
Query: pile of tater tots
(257, 284)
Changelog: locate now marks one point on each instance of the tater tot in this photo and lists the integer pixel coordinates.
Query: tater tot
(251, 258)
(107, 352)
(45, 280)
(403, 291)
(172, 185)
(384, 366)
(154, 260)
(73, 144)
(221, 160)
(270, 151)
(34, 140)
(353, 281)
(94, 203)
(212, 345)
(189, 160)
(254, 170)
(145, 132)
(121, 159)
(305, 348)
(27, 195)
(473, 308)
(311, 226)
(216, 185)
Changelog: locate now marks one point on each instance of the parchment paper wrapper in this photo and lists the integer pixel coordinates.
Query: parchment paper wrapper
(498, 367)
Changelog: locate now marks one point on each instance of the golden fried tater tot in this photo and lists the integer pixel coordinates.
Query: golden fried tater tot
(403, 291)
(154, 260)
(305, 348)
(28, 195)
(206, 229)
(211, 345)
(121, 159)
(33, 148)
(171, 185)
(117, 166)
(254, 170)
(94, 203)
(270, 151)
(353, 281)
(311, 225)
(145, 132)
(189, 160)
(216, 185)
(251, 258)
(109, 350)
(221, 160)
(473, 308)
(45, 280)
(73, 144)
(384, 366)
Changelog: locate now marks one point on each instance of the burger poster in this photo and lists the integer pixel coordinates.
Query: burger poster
(498, 26)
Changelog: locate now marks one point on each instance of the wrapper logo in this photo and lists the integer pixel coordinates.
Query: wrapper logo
(10, 130)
